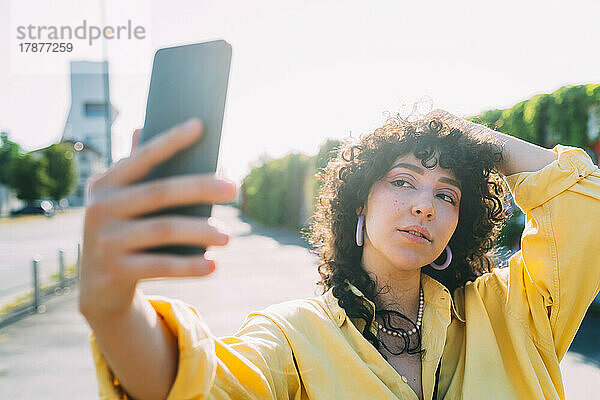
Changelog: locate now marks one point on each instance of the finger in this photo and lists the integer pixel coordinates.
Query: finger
(134, 139)
(169, 230)
(145, 266)
(437, 113)
(147, 197)
(159, 149)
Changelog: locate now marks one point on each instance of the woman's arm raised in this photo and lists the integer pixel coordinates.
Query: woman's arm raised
(139, 348)
(517, 155)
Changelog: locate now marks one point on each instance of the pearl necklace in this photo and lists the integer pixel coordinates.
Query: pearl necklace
(413, 330)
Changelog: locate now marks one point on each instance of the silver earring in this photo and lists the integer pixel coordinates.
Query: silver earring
(446, 263)
(359, 230)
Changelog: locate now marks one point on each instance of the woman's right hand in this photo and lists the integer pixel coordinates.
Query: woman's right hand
(114, 238)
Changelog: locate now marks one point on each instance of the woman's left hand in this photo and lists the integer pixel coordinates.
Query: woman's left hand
(453, 121)
(440, 114)
(517, 155)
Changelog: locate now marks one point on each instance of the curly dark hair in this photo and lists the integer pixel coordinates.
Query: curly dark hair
(345, 185)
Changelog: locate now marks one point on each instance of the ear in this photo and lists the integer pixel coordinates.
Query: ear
(361, 210)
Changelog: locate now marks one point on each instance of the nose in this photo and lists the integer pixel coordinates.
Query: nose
(423, 207)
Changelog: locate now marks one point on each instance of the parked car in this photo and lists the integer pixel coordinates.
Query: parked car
(44, 207)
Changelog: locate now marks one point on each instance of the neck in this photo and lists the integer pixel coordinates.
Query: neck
(398, 289)
(399, 293)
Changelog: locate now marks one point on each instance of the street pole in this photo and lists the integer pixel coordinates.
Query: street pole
(108, 111)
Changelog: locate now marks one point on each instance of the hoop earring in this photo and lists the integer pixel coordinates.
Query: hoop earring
(359, 230)
(446, 263)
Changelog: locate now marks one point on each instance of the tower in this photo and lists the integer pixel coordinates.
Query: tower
(87, 126)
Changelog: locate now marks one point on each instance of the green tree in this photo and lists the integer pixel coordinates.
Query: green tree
(273, 191)
(326, 152)
(548, 119)
(9, 151)
(28, 177)
(60, 170)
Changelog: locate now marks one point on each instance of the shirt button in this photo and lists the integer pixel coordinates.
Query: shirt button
(404, 379)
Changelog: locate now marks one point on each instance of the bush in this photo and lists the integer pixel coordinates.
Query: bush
(272, 193)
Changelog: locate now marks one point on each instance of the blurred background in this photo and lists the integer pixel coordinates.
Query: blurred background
(305, 75)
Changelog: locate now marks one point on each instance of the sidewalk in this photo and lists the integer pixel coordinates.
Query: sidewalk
(45, 356)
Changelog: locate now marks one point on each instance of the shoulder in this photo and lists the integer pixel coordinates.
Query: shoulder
(496, 279)
(488, 290)
(297, 315)
(491, 283)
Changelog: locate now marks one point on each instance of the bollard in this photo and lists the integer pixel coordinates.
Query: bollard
(78, 260)
(61, 268)
(36, 285)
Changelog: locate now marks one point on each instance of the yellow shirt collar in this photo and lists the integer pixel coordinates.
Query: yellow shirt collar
(434, 294)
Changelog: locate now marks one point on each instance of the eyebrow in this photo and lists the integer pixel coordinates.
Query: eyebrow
(420, 171)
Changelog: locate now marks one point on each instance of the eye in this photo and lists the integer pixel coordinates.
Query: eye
(399, 180)
(443, 196)
(449, 197)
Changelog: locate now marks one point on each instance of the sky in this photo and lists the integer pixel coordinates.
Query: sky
(305, 71)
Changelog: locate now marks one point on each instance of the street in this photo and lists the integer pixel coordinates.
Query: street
(47, 356)
(21, 241)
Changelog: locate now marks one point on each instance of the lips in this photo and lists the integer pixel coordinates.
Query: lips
(413, 237)
(416, 228)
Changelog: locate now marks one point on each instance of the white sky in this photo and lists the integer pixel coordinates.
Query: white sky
(303, 71)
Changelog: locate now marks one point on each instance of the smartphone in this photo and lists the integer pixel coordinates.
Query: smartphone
(188, 81)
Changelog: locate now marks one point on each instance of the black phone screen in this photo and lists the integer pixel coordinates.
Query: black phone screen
(188, 81)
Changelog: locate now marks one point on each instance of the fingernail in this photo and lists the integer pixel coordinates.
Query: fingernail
(209, 255)
(227, 185)
(219, 225)
(192, 124)
(212, 266)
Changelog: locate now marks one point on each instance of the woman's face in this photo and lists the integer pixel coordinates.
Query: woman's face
(410, 195)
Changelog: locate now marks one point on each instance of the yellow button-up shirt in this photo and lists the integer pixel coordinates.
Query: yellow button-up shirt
(499, 337)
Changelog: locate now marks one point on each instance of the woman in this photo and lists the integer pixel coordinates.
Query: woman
(412, 306)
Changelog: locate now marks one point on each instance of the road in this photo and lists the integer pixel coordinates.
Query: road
(39, 237)
(46, 356)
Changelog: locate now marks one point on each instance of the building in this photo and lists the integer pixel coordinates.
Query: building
(85, 127)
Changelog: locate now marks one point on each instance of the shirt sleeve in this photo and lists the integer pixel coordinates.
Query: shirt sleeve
(556, 274)
(255, 363)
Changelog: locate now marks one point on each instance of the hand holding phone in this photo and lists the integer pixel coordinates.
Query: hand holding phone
(113, 257)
